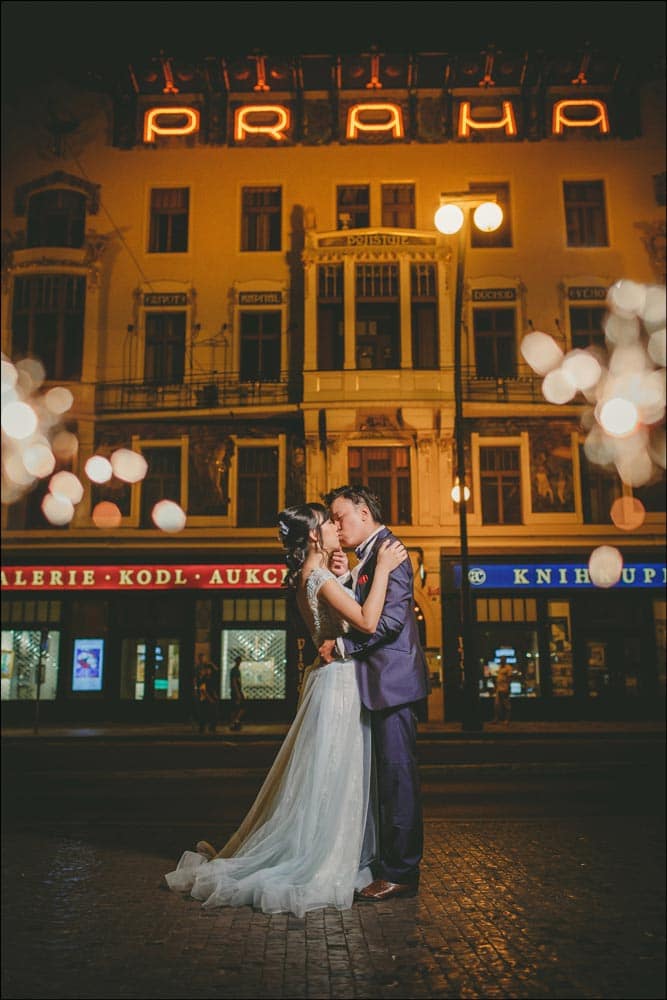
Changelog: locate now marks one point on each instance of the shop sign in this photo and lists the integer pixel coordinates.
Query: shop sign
(145, 577)
(545, 576)
(260, 298)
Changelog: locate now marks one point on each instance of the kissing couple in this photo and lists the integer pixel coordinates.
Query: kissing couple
(339, 815)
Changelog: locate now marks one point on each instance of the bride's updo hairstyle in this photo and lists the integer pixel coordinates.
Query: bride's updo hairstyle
(294, 527)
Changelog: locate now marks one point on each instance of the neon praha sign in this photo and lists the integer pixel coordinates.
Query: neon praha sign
(543, 576)
(144, 577)
(274, 122)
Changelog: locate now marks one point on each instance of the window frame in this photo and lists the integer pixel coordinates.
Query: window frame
(393, 444)
(266, 212)
(170, 215)
(138, 444)
(568, 206)
(279, 441)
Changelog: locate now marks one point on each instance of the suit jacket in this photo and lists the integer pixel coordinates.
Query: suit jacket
(391, 666)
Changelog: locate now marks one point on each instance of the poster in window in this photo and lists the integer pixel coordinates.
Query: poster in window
(7, 663)
(551, 470)
(87, 664)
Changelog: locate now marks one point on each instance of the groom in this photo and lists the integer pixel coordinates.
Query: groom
(392, 677)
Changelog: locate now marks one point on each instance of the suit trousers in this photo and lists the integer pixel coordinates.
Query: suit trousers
(400, 823)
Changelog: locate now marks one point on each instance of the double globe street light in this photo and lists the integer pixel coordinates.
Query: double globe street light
(453, 217)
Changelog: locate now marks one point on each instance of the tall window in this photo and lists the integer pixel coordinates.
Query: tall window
(330, 340)
(162, 480)
(257, 497)
(353, 206)
(495, 342)
(500, 477)
(599, 488)
(47, 322)
(56, 218)
(261, 218)
(398, 206)
(377, 316)
(387, 472)
(260, 346)
(502, 236)
(165, 348)
(586, 326)
(169, 220)
(424, 300)
(585, 214)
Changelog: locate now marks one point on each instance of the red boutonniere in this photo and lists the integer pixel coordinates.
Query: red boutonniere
(363, 579)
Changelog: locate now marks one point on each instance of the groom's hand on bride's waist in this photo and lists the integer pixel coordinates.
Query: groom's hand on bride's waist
(327, 650)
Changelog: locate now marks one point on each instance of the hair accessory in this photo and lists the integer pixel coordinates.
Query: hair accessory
(283, 528)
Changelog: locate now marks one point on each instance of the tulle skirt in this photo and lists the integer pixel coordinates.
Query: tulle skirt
(309, 837)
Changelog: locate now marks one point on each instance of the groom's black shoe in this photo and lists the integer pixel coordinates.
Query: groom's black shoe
(379, 890)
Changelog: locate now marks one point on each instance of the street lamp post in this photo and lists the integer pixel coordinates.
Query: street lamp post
(450, 219)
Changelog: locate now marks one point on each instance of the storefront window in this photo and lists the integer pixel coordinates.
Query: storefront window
(263, 661)
(22, 652)
(560, 649)
(518, 647)
(150, 668)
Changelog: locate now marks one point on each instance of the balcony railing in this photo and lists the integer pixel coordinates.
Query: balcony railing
(501, 388)
(217, 392)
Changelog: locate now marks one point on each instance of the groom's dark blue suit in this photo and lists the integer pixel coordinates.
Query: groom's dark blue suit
(392, 676)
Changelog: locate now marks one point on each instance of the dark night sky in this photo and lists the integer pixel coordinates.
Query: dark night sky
(40, 39)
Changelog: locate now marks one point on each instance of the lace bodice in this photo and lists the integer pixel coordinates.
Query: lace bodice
(326, 623)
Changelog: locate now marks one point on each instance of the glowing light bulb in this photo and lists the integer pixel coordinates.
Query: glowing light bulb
(128, 465)
(66, 484)
(449, 218)
(488, 216)
(57, 510)
(456, 492)
(39, 460)
(627, 513)
(59, 399)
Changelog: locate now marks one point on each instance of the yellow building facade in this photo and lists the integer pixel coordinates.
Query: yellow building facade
(234, 269)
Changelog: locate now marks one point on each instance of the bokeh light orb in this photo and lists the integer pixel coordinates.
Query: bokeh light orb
(14, 470)
(627, 298)
(558, 387)
(657, 347)
(39, 460)
(67, 485)
(65, 445)
(619, 416)
(59, 399)
(488, 217)
(621, 329)
(168, 516)
(58, 510)
(449, 219)
(9, 375)
(31, 373)
(19, 420)
(635, 468)
(582, 368)
(627, 513)
(605, 566)
(106, 515)
(541, 352)
(98, 469)
(654, 313)
(128, 465)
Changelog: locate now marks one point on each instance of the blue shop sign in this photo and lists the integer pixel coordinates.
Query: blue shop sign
(513, 576)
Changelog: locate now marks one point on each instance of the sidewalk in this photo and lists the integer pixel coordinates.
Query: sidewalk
(184, 731)
(557, 908)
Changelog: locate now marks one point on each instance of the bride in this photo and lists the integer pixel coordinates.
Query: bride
(309, 837)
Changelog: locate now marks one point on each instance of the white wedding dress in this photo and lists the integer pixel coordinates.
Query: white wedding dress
(309, 837)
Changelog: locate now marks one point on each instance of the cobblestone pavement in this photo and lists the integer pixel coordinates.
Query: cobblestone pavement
(558, 907)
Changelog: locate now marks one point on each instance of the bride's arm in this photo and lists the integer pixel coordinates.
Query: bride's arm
(366, 616)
